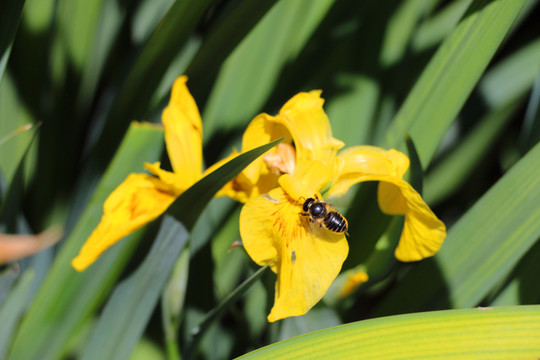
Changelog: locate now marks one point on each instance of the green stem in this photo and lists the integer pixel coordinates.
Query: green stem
(214, 314)
(172, 349)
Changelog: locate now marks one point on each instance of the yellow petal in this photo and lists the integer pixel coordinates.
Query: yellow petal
(307, 135)
(183, 133)
(170, 182)
(423, 233)
(308, 179)
(355, 278)
(134, 203)
(305, 257)
(365, 163)
(304, 117)
(256, 178)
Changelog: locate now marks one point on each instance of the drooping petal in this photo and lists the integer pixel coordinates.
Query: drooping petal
(305, 257)
(183, 133)
(423, 233)
(134, 203)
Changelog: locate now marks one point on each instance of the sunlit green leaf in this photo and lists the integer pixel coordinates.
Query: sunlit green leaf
(492, 333)
(451, 75)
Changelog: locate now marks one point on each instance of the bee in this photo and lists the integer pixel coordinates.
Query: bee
(323, 214)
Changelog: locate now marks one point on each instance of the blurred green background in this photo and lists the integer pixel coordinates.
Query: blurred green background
(460, 79)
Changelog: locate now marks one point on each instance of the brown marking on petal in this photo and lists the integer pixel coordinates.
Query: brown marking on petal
(293, 257)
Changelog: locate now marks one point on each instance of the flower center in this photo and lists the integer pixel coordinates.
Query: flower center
(282, 160)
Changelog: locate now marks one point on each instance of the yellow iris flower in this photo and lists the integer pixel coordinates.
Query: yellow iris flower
(307, 257)
(141, 197)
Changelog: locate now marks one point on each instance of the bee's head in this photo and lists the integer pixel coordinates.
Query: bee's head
(307, 204)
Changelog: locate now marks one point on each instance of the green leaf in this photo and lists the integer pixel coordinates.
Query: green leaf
(142, 80)
(230, 30)
(521, 288)
(66, 298)
(217, 312)
(11, 204)
(416, 176)
(451, 75)
(78, 22)
(453, 170)
(191, 203)
(530, 134)
(172, 302)
(12, 309)
(512, 77)
(261, 55)
(10, 12)
(128, 310)
(481, 248)
(486, 333)
(435, 28)
(15, 121)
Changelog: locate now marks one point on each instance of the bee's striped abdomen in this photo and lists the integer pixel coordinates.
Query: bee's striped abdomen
(335, 222)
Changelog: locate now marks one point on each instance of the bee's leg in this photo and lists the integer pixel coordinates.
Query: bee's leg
(307, 214)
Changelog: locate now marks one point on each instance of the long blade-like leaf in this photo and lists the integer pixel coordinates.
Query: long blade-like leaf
(12, 309)
(451, 75)
(128, 310)
(10, 12)
(488, 333)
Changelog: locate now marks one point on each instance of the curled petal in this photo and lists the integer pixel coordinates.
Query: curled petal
(304, 117)
(423, 233)
(305, 257)
(363, 163)
(183, 133)
(134, 203)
